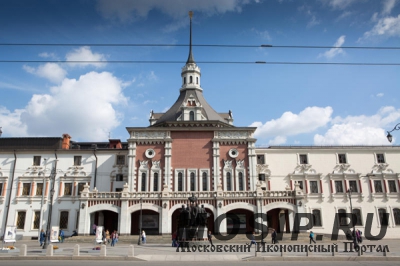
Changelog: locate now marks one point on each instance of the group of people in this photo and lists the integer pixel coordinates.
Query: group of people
(110, 238)
(175, 239)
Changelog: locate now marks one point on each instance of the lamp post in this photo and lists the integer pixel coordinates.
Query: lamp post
(52, 180)
(354, 225)
(42, 202)
(389, 136)
(140, 224)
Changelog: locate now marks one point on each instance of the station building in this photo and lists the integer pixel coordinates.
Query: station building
(193, 149)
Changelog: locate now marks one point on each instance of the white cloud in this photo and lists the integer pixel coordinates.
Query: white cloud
(152, 76)
(388, 5)
(262, 34)
(344, 15)
(380, 95)
(85, 108)
(47, 55)
(11, 123)
(340, 4)
(352, 134)
(85, 54)
(334, 51)
(308, 11)
(128, 11)
(50, 71)
(360, 130)
(278, 140)
(385, 27)
(289, 123)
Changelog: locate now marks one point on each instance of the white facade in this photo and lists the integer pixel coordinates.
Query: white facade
(323, 178)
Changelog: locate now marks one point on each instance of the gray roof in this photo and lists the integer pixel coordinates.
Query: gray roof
(175, 111)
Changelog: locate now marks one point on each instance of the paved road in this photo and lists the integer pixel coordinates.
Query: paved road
(166, 253)
(204, 263)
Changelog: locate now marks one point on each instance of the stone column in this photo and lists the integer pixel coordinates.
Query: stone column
(166, 220)
(252, 164)
(220, 209)
(131, 165)
(216, 169)
(167, 162)
(84, 226)
(124, 226)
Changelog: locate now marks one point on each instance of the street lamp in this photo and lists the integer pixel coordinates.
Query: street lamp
(140, 224)
(52, 180)
(389, 136)
(351, 210)
(42, 202)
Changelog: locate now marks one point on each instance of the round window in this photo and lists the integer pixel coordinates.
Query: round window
(150, 153)
(233, 153)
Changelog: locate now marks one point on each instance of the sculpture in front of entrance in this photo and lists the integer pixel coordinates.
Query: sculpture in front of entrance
(192, 223)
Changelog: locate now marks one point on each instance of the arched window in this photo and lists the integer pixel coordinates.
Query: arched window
(317, 217)
(240, 181)
(180, 182)
(155, 182)
(357, 213)
(342, 217)
(191, 80)
(396, 214)
(184, 80)
(143, 181)
(204, 181)
(383, 217)
(228, 182)
(191, 116)
(197, 80)
(192, 182)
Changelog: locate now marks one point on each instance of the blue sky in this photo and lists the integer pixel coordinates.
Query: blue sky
(289, 104)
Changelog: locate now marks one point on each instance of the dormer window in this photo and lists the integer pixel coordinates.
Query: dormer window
(191, 116)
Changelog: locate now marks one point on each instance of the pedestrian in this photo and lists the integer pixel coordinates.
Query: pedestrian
(42, 237)
(107, 237)
(358, 235)
(113, 238)
(209, 236)
(94, 227)
(273, 236)
(62, 236)
(143, 237)
(312, 237)
(174, 235)
(103, 237)
(253, 239)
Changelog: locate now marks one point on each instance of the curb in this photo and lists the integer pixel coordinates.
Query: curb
(110, 258)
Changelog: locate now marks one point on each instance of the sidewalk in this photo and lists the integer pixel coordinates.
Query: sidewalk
(164, 252)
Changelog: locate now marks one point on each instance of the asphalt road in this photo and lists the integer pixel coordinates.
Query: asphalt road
(206, 263)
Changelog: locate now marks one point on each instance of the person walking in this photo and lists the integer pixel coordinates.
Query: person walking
(209, 236)
(107, 237)
(174, 235)
(42, 237)
(312, 237)
(253, 239)
(62, 236)
(273, 236)
(143, 237)
(359, 237)
(113, 238)
(94, 227)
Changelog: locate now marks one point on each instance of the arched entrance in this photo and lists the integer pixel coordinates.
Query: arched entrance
(175, 220)
(279, 220)
(242, 218)
(108, 219)
(150, 222)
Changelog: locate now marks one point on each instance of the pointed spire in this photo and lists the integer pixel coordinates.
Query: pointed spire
(190, 58)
